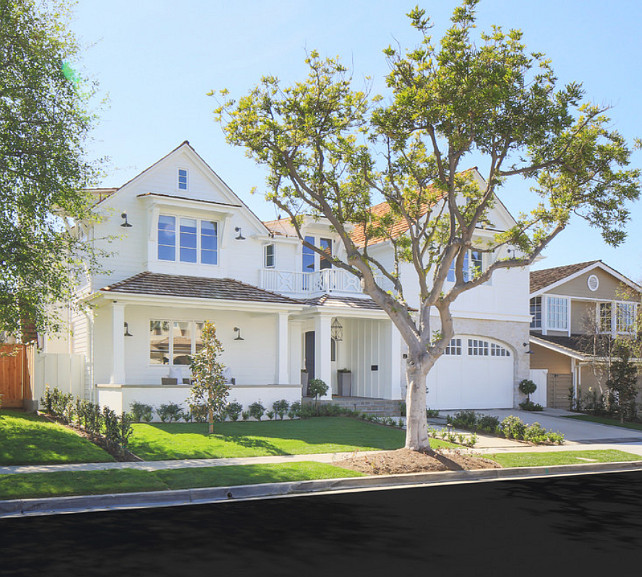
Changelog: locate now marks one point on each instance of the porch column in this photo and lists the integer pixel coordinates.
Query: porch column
(118, 344)
(395, 361)
(322, 362)
(283, 348)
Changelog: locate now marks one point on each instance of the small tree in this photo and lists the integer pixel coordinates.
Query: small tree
(622, 383)
(209, 388)
(527, 387)
(317, 388)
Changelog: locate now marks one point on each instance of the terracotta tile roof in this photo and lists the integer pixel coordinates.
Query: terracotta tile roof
(156, 284)
(340, 301)
(548, 276)
(281, 226)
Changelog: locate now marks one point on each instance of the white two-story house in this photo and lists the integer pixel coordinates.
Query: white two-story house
(186, 249)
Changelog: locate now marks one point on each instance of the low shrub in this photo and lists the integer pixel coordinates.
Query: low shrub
(281, 408)
(432, 413)
(257, 410)
(513, 427)
(463, 420)
(233, 410)
(530, 406)
(535, 433)
(295, 410)
(245, 415)
(270, 415)
(169, 412)
(141, 412)
(488, 424)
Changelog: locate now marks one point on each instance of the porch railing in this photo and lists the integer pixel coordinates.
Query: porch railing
(323, 281)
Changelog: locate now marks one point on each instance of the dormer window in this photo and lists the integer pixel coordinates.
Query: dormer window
(182, 179)
(197, 240)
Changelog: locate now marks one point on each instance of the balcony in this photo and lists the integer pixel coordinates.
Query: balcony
(330, 280)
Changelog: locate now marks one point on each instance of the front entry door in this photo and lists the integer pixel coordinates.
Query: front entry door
(309, 354)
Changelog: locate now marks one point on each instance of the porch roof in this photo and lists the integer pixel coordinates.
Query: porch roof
(329, 300)
(148, 283)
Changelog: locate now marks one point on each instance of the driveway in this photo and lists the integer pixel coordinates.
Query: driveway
(575, 431)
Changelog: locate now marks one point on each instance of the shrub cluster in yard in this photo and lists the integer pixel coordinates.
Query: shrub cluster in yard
(511, 427)
(116, 429)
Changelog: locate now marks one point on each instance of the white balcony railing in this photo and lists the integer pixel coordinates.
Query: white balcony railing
(323, 281)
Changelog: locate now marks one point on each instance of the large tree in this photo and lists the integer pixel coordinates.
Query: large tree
(334, 152)
(43, 127)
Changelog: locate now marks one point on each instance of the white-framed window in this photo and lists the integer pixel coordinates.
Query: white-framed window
(498, 351)
(478, 348)
(174, 342)
(269, 256)
(557, 313)
(605, 317)
(195, 239)
(625, 317)
(310, 260)
(182, 182)
(454, 347)
(473, 266)
(536, 313)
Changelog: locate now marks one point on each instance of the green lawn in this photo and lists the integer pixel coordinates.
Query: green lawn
(561, 458)
(28, 439)
(34, 485)
(153, 442)
(606, 421)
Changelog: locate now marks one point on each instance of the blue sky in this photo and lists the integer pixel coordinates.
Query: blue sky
(155, 60)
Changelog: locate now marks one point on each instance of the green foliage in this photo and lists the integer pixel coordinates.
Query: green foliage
(333, 151)
(622, 384)
(209, 388)
(270, 415)
(530, 406)
(513, 427)
(245, 415)
(317, 388)
(295, 410)
(281, 408)
(141, 412)
(256, 410)
(44, 125)
(527, 387)
(463, 420)
(488, 424)
(431, 413)
(233, 410)
(169, 412)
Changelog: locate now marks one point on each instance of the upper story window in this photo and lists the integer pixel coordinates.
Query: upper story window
(473, 266)
(625, 317)
(606, 318)
(557, 313)
(307, 262)
(326, 247)
(269, 260)
(536, 313)
(182, 179)
(197, 239)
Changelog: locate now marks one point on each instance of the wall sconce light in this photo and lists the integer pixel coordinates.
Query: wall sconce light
(238, 334)
(125, 224)
(528, 352)
(127, 333)
(336, 330)
(240, 236)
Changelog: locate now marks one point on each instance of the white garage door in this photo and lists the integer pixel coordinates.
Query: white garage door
(474, 373)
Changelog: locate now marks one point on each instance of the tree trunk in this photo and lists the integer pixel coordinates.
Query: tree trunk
(416, 426)
(210, 419)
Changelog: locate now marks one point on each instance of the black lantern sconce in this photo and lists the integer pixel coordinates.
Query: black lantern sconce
(125, 224)
(238, 334)
(336, 330)
(240, 236)
(528, 352)
(127, 333)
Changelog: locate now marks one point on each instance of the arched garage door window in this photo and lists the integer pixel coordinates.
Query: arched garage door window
(476, 348)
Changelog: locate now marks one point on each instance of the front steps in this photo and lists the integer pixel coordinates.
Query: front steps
(377, 407)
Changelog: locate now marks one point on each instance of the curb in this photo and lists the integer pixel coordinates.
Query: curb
(153, 499)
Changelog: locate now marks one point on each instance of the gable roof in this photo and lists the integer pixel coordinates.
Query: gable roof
(548, 278)
(156, 284)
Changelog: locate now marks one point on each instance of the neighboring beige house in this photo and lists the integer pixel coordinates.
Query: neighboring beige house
(575, 312)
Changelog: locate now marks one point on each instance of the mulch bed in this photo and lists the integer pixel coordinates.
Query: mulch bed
(406, 461)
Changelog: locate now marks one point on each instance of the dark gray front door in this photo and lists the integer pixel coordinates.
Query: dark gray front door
(309, 354)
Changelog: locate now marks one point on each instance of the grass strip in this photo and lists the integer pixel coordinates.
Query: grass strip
(605, 421)
(67, 483)
(153, 442)
(27, 439)
(551, 458)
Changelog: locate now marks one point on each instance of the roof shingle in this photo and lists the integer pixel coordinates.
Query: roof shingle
(545, 277)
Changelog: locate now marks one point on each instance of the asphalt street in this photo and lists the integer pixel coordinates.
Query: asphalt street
(586, 525)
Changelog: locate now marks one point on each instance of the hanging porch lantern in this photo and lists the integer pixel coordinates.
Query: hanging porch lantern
(336, 330)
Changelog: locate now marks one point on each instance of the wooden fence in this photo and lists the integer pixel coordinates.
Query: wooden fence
(16, 375)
